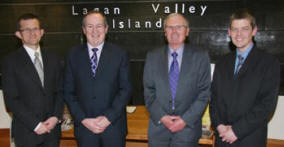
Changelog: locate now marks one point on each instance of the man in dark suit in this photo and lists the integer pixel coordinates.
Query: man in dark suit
(32, 86)
(244, 89)
(97, 87)
(176, 88)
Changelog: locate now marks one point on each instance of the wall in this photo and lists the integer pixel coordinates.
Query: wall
(127, 20)
(5, 119)
(275, 126)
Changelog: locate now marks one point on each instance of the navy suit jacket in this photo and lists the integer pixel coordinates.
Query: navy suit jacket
(106, 94)
(245, 100)
(29, 102)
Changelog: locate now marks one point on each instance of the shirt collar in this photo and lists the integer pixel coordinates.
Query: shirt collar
(99, 47)
(31, 51)
(179, 51)
(246, 52)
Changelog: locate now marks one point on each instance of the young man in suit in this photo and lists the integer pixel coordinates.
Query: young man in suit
(97, 87)
(176, 88)
(244, 89)
(32, 86)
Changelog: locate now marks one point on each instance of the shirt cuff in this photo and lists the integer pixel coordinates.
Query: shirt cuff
(36, 128)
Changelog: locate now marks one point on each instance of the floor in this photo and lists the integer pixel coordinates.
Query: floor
(5, 142)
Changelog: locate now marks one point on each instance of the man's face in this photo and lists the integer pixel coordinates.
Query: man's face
(242, 33)
(176, 31)
(30, 33)
(95, 29)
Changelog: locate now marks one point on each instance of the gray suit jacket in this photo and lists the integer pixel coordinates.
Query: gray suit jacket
(193, 88)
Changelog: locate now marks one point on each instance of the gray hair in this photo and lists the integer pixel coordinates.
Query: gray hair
(174, 15)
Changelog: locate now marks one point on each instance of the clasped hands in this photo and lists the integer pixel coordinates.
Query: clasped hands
(226, 133)
(96, 125)
(47, 125)
(173, 123)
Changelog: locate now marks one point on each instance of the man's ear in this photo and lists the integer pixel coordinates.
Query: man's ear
(41, 32)
(18, 34)
(254, 31)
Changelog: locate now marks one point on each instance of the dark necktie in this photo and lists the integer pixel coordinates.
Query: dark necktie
(240, 63)
(94, 61)
(173, 77)
(39, 68)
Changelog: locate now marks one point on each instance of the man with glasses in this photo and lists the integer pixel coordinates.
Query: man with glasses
(97, 87)
(32, 86)
(176, 88)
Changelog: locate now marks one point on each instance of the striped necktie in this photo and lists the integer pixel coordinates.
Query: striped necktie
(240, 63)
(94, 62)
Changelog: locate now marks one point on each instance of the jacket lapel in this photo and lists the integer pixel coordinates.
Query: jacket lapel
(185, 69)
(85, 62)
(164, 71)
(231, 65)
(29, 68)
(248, 64)
(46, 68)
(104, 60)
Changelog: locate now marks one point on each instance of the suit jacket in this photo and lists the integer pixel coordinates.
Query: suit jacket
(247, 99)
(192, 91)
(106, 94)
(29, 102)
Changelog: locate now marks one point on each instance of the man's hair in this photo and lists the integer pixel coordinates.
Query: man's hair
(94, 12)
(174, 15)
(243, 14)
(27, 16)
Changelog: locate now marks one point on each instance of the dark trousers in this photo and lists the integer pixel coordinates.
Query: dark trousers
(86, 138)
(51, 143)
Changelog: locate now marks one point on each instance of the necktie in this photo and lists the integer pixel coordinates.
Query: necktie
(173, 77)
(94, 62)
(39, 68)
(240, 63)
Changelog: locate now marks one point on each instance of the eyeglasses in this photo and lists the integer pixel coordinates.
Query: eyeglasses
(91, 27)
(178, 27)
(30, 30)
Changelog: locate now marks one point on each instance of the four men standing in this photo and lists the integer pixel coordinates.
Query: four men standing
(176, 82)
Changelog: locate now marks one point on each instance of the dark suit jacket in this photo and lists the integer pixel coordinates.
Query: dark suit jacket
(106, 94)
(29, 102)
(246, 100)
(193, 89)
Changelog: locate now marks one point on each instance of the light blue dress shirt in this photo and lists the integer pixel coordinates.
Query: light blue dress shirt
(179, 57)
(244, 55)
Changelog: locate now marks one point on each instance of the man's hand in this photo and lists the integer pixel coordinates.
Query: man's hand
(178, 125)
(50, 123)
(42, 129)
(96, 125)
(222, 128)
(90, 123)
(168, 120)
(229, 136)
(103, 122)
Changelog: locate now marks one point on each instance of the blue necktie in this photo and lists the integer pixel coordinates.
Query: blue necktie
(94, 62)
(173, 77)
(240, 63)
